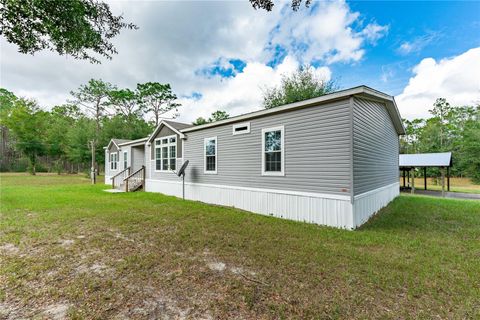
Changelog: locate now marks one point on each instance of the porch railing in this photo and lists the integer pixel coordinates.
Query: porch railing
(135, 180)
(117, 179)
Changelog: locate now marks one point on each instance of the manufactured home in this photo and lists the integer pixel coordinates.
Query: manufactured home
(331, 160)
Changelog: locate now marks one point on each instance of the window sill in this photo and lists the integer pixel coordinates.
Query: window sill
(210, 172)
(274, 174)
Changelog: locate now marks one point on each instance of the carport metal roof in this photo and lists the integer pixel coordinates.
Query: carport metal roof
(442, 159)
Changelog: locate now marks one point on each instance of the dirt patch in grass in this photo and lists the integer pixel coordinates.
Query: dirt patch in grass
(9, 249)
(57, 311)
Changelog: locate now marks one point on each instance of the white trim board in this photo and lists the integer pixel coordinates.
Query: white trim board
(297, 207)
(366, 194)
(288, 192)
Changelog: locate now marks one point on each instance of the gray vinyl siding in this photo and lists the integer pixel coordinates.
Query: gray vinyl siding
(375, 146)
(151, 173)
(129, 160)
(137, 157)
(317, 151)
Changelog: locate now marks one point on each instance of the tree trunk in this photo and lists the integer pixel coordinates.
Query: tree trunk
(33, 161)
(92, 171)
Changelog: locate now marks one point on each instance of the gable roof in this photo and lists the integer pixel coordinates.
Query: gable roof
(133, 142)
(441, 159)
(173, 125)
(117, 142)
(120, 141)
(361, 91)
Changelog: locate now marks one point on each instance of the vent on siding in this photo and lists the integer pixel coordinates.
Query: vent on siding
(241, 128)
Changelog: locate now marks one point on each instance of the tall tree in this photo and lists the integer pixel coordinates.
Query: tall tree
(125, 102)
(75, 27)
(94, 98)
(441, 110)
(77, 138)
(301, 85)
(469, 146)
(413, 130)
(28, 123)
(61, 119)
(7, 142)
(157, 98)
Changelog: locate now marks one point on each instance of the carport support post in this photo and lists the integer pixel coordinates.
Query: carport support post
(403, 170)
(425, 177)
(448, 178)
(413, 180)
(443, 181)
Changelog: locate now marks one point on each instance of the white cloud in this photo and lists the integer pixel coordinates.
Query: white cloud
(374, 31)
(457, 79)
(325, 33)
(242, 93)
(176, 40)
(418, 43)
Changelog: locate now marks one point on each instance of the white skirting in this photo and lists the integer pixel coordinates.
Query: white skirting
(367, 204)
(325, 209)
(108, 179)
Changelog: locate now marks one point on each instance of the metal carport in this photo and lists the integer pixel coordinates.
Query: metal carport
(408, 162)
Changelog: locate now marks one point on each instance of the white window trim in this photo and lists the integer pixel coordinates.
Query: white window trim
(114, 162)
(125, 160)
(237, 125)
(205, 156)
(155, 146)
(282, 157)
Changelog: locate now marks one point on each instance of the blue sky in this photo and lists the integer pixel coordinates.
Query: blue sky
(437, 29)
(221, 55)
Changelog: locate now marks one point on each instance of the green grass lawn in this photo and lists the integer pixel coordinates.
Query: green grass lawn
(68, 248)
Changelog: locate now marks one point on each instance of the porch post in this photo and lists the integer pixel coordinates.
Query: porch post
(413, 180)
(448, 178)
(425, 177)
(443, 181)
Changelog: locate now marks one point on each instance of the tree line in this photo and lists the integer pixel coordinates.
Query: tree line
(99, 111)
(450, 128)
(61, 139)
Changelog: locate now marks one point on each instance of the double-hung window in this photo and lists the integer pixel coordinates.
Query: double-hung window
(165, 153)
(125, 159)
(210, 155)
(113, 161)
(273, 151)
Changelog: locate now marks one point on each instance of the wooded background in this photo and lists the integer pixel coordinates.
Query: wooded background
(34, 139)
